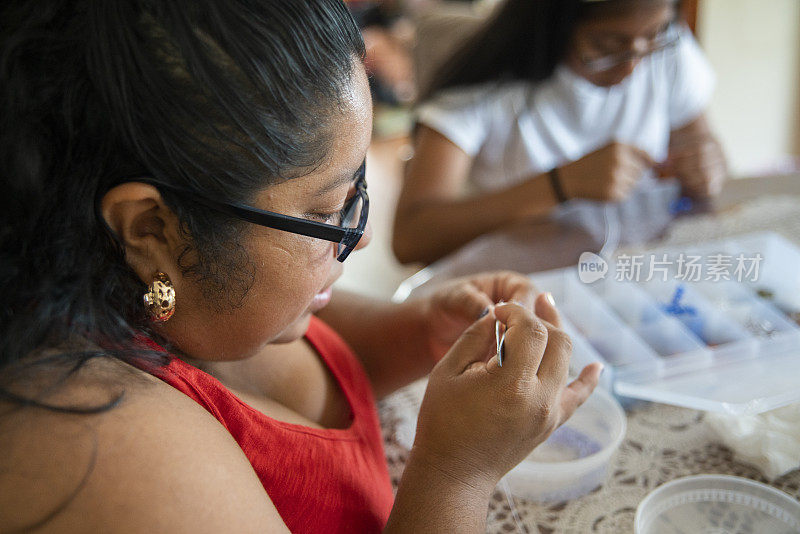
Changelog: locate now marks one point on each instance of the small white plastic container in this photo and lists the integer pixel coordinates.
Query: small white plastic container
(717, 504)
(574, 460)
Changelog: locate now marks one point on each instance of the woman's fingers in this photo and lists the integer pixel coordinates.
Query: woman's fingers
(469, 297)
(545, 309)
(533, 343)
(554, 367)
(474, 345)
(526, 338)
(506, 286)
(519, 289)
(579, 390)
(466, 301)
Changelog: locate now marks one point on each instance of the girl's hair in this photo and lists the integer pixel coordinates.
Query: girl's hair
(524, 40)
(220, 96)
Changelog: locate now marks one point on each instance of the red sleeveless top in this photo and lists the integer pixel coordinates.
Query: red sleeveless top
(320, 480)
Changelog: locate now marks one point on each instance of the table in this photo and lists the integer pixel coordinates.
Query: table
(662, 442)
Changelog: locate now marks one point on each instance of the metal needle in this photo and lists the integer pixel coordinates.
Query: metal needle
(499, 339)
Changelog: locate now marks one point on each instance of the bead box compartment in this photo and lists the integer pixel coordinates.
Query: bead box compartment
(727, 345)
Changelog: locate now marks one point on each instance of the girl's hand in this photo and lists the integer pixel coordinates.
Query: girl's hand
(608, 174)
(452, 309)
(478, 420)
(696, 159)
(700, 166)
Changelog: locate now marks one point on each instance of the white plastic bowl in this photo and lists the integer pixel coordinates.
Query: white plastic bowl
(717, 504)
(574, 460)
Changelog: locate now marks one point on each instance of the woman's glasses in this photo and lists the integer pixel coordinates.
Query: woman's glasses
(347, 234)
(668, 38)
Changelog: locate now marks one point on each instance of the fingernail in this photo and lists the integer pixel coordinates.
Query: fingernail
(484, 313)
(549, 297)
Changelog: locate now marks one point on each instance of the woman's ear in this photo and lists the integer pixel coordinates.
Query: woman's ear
(146, 227)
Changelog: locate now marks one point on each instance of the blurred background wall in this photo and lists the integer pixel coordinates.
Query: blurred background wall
(754, 47)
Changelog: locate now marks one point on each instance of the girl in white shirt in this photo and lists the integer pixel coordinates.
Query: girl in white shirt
(555, 100)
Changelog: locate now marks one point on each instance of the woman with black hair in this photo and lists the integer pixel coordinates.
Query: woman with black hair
(554, 100)
(182, 181)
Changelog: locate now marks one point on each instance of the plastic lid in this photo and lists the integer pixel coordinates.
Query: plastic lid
(745, 387)
(717, 504)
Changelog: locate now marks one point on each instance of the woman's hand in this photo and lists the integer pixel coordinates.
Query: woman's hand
(608, 174)
(478, 420)
(398, 344)
(452, 309)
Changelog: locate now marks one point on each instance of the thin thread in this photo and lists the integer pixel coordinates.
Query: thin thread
(612, 232)
(504, 486)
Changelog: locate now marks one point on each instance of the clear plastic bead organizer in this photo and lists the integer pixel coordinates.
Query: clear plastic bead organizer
(718, 342)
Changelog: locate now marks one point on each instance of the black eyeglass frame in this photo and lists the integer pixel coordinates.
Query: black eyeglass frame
(347, 238)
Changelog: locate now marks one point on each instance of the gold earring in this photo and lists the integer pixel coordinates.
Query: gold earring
(160, 298)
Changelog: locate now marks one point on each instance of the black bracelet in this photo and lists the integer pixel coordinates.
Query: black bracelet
(555, 181)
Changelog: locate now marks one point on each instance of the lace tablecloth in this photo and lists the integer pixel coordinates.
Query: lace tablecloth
(662, 442)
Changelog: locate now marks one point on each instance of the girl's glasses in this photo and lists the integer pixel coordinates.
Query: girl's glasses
(665, 40)
(352, 222)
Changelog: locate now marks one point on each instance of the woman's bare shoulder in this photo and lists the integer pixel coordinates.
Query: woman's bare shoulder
(156, 461)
